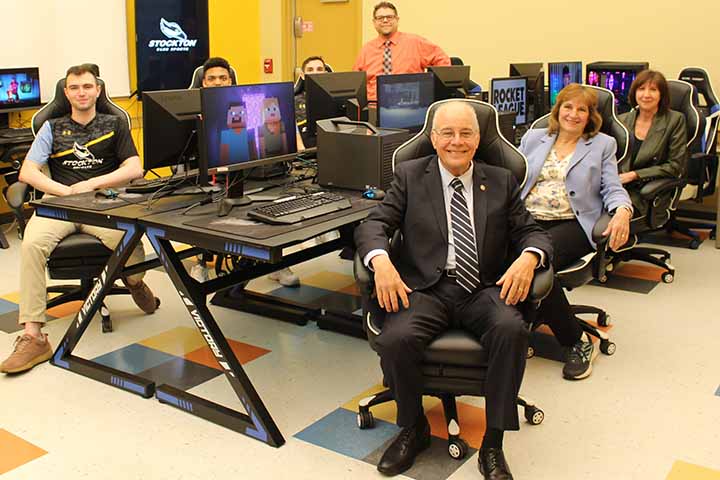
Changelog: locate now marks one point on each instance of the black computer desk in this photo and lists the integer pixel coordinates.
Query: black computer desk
(170, 226)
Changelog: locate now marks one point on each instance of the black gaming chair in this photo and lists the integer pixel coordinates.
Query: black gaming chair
(455, 362)
(594, 264)
(197, 77)
(78, 256)
(662, 195)
(703, 164)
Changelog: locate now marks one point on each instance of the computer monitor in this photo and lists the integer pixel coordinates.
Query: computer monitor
(170, 122)
(247, 126)
(451, 82)
(561, 74)
(616, 77)
(510, 95)
(536, 87)
(336, 94)
(19, 89)
(403, 100)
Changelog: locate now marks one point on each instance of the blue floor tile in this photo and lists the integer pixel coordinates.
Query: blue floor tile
(338, 431)
(134, 358)
(7, 306)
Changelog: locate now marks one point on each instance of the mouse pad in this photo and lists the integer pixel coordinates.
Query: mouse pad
(238, 223)
(88, 201)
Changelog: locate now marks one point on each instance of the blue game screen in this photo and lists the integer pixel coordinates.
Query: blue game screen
(19, 88)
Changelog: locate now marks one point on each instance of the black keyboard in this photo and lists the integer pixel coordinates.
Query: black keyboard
(299, 208)
(153, 185)
(15, 132)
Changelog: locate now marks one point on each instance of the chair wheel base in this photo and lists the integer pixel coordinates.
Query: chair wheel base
(457, 448)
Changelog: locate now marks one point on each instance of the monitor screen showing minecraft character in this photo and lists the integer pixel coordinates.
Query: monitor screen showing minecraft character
(246, 124)
(19, 88)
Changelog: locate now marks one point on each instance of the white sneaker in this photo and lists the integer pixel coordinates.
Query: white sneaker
(200, 272)
(286, 277)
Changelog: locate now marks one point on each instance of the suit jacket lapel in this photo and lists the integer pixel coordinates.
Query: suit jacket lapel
(581, 149)
(480, 189)
(434, 189)
(654, 137)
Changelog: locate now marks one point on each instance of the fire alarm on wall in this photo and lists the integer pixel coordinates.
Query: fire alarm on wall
(268, 65)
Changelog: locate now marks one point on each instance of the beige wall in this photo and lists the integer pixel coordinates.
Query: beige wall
(490, 35)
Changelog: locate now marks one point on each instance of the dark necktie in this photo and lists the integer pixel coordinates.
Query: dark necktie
(387, 59)
(466, 260)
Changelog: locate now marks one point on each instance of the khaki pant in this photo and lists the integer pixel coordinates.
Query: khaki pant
(39, 240)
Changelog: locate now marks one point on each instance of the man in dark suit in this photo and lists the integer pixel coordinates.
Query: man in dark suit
(469, 254)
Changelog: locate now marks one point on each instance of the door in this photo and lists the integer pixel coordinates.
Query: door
(328, 28)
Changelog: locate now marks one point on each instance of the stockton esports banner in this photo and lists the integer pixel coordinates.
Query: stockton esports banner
(171, 41)
(510, 95)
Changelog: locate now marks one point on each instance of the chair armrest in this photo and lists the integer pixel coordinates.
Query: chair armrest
(600, 226)
(662, 185)
(16, 195)
(541, 284)
(363, 275)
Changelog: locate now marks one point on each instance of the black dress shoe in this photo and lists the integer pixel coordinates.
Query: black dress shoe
(401, 453)
(492, 465)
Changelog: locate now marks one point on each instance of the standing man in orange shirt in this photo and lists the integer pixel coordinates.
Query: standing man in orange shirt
(393, 51)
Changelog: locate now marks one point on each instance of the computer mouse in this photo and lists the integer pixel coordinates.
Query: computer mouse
(374, 194)
(106, 193)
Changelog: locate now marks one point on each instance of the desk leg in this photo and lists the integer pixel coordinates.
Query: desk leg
(257, 423)
(63, 355)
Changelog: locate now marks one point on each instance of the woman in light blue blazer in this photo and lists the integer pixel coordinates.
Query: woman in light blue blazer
(572, 178)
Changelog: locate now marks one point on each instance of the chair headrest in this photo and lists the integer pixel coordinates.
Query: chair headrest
(700, 79)
(59, 106)
(494, 149)
(199, 72)
(684, 99)
(611, 125)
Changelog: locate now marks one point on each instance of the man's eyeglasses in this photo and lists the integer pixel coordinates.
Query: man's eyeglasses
(449, 134)
(385, 18)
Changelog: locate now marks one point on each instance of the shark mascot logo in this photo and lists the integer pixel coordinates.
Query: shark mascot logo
(84, 158)
(177, 39)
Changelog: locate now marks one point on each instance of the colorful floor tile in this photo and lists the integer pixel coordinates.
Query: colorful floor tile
(134, 358)
(14, 451)
(180, 373)
(177, 341)
(687, 471)
(333, 281)
(65, 309)
(338, 432)
(243, 352)
(7, 306)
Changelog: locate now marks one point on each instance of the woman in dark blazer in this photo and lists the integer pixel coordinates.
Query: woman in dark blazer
(658, 136)
(572, 178)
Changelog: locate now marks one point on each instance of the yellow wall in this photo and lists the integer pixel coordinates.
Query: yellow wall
(490, 35)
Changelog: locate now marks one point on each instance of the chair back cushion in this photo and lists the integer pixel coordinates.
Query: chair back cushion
(494, 149)
(199, 72)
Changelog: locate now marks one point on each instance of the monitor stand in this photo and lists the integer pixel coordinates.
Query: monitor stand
(234, 197)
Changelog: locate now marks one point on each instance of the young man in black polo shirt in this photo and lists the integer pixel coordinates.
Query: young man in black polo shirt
(84, 151)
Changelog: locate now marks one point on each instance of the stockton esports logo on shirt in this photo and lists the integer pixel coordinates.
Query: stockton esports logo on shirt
(84, 158)
(177, 39)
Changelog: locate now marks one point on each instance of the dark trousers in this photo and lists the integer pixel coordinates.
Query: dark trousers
(569, 244)
(499, 327)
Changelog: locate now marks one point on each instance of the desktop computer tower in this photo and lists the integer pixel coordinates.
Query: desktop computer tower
(356, 155)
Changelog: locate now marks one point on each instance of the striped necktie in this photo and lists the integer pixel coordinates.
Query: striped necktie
(466, 260)
(387, 59)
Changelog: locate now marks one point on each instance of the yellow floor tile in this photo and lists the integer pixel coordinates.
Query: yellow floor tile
(178, 341)
(329, 280)
(688, 471)
(14, 451)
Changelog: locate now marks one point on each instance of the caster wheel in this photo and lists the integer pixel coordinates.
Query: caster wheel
(610, 267)
(607, 347)
(694, 244)
(668, 277)
(105, 320)
(603, 279)
(365, 420)
(534, 415)
(457, 448)
(603, 319)
(530, 352)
